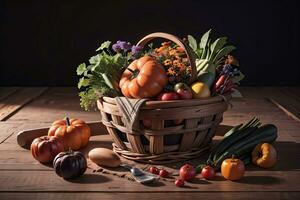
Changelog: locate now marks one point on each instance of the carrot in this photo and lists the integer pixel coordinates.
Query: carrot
(220, 81)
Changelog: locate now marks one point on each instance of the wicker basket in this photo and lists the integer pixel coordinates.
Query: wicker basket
(165, 142)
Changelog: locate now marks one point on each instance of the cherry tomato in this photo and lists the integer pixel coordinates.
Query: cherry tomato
(208, 172)
(179, 183)
(153, 170)
(163, 173)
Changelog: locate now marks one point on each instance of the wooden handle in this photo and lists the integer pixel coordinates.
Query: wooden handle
(190, 53)
(25, 137)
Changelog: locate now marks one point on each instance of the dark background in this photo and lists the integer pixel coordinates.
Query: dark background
(42, 42)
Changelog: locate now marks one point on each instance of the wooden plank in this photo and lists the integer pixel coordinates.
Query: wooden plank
(287, 97)
(56, 103)
(17, 100)
(7, 91)
(207, 195)
(263, 181)
(6, 130)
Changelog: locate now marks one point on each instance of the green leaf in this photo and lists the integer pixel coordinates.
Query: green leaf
(81, 69)
(217, 45)
(99, 61)
(204, 39)
(208, 52)
(119, 60)
(104, 45)
(83, 82)
(223, 52)
(192, 42)
(94, 59)
(199, 52)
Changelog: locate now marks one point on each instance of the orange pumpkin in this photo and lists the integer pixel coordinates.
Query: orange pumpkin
(143, 78)
(232, 169)
(264, 155)
(74, 132)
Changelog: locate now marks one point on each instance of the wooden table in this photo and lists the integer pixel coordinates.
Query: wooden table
(22, 177)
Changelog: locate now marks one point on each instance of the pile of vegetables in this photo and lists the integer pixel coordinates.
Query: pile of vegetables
(161, 73)
(240, 142)
(67, 134)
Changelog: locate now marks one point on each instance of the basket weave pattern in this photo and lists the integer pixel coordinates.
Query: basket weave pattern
(165, 142)
(162, 142)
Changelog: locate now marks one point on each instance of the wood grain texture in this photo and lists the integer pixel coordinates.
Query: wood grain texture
(14, 102)
(151, 195)
(6, 92)
(286, 97)
(23, 177)
(56, 103)
(263, 181)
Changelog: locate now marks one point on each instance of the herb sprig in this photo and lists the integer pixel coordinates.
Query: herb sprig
(100, 77)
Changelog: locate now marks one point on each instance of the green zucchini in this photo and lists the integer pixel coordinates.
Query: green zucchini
(245, 131)
(234, 140)
(266, 133)
(228, 137)
(234, 129)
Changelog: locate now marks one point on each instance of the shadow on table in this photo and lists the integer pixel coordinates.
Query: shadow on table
(90, 178)
(261, 180)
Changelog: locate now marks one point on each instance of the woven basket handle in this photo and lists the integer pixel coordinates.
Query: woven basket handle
(179, 42)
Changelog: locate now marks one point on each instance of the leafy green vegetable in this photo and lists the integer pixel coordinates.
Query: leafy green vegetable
(204, 40)
(210, 55)
(81, 69)
(217, 45)
(192, 42)
(101, 76)
(104, 45)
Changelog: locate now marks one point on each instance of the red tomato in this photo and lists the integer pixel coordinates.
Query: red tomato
(163, 173)
(167, 96)
(208, 172)
(179, 183)
(45, 148)
(187, 172)
(153, 170)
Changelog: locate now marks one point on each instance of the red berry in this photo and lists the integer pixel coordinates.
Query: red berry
(179, 182)
(163, 173)
(153, 170)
